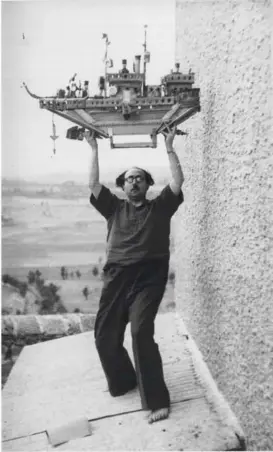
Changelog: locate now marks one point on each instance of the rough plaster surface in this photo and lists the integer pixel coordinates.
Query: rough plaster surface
(224, 264)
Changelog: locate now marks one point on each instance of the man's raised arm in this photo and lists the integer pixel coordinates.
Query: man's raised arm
(176, 170)
(94, 173)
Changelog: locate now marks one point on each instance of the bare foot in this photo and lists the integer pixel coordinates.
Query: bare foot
(158, 415)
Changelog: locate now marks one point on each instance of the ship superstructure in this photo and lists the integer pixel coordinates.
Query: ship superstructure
(126, 105)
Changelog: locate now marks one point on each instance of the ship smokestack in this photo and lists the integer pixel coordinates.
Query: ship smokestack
(137, 64)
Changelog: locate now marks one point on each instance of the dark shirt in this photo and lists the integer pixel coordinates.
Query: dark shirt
(135, 233)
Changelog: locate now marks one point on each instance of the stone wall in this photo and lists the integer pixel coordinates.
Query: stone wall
(223, 255)
(28, 329)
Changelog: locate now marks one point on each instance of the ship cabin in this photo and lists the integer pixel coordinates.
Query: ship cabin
(126, 85)
(176, 82)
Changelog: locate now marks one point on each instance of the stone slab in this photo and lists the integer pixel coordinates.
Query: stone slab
(61, 434)
(33, 443)
(192, 425)
(62, 380)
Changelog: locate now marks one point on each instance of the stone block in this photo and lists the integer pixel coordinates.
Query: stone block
(27, 325)
(54, 325)
(70, 431)
(8, 326)
(88, 322)
(73, 323)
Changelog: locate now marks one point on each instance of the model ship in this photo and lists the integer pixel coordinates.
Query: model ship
(126, 104)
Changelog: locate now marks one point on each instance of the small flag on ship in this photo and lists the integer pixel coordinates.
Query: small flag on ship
(109, 63)
(147, 57)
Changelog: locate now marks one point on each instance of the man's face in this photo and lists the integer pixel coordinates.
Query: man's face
(135, 185)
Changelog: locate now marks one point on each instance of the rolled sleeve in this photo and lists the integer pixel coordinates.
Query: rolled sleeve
(168, 201)
(106, 203)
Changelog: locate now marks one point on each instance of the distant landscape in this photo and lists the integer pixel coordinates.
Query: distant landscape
(49, 226)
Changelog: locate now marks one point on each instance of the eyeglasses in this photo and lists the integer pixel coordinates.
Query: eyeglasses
(131, 179)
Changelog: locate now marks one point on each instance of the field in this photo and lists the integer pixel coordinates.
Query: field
(45, 230)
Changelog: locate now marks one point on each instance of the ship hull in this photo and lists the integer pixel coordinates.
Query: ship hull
(148, 116)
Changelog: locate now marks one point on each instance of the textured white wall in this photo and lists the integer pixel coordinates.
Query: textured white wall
(224, 287)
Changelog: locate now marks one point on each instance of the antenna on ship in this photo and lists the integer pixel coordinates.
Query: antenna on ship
(54, 136)
(107, 62)
(146, 59)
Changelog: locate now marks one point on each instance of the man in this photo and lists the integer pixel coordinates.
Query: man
(124, 69)
(135, 277)
(85, 92)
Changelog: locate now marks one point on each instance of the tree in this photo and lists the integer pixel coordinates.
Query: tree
(19, 285)
(78, 274)
(38, 274)
(63, 273)
(51, 301)
(40, 284)
(31, 277)
(5, 278)
(47, 306)
(77, 311)
(54, 289)
(61, 309)
(95, 271)
(85, 292)
(23, 289)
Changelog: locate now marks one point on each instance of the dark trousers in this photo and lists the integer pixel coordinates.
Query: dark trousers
(132, 294)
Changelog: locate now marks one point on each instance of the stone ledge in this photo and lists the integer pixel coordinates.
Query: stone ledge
(36, 328)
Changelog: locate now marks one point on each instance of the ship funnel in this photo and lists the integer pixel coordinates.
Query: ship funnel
(137, 64)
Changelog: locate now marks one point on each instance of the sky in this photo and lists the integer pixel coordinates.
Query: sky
(63, 37)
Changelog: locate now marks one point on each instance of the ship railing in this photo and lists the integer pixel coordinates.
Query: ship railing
(125, 77)
(174, 78)
(187, 96)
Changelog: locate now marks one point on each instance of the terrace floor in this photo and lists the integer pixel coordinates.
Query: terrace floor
(57, 390)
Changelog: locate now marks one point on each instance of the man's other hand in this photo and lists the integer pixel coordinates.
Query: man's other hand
(169, 137)
(90, 138)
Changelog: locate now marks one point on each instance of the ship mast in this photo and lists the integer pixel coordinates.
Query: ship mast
(107, 43)
(144, 60)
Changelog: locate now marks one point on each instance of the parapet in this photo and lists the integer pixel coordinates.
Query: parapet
(30, 329)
